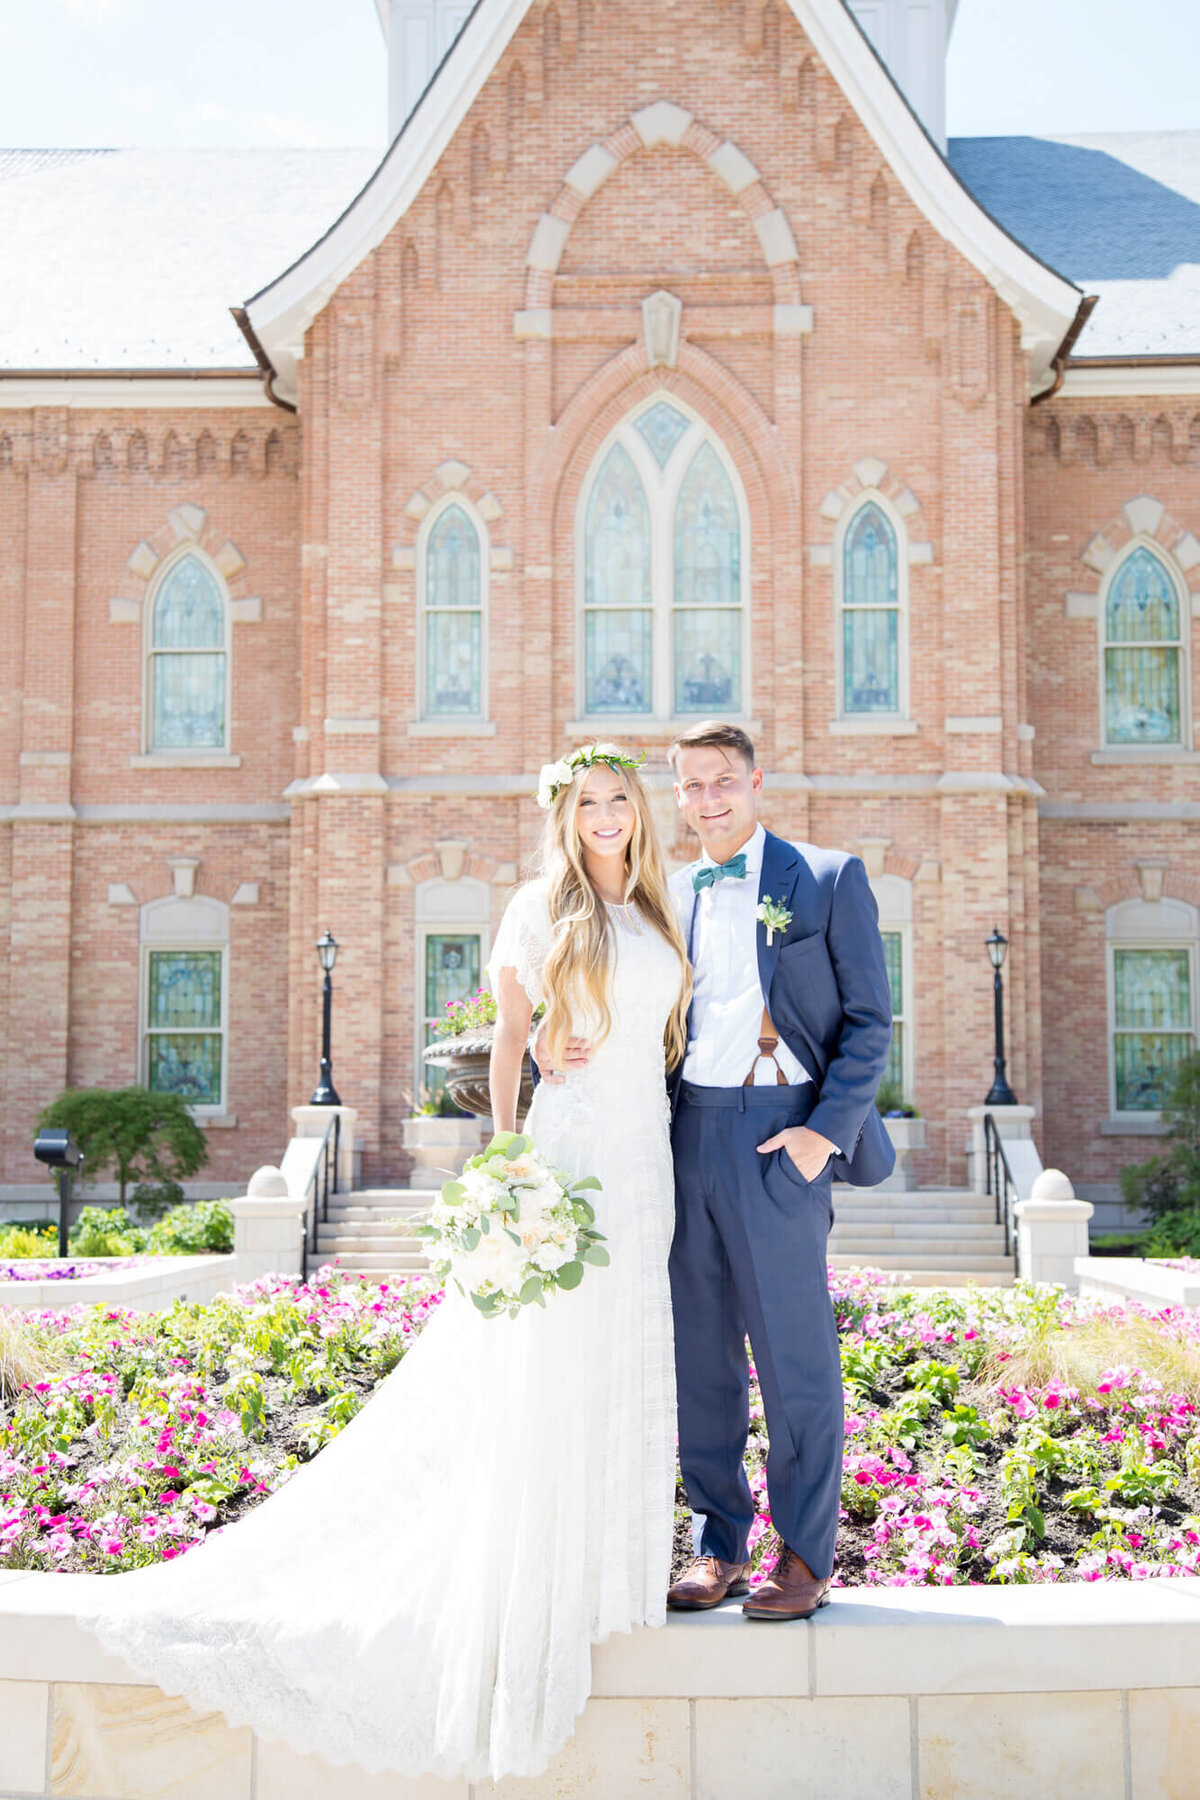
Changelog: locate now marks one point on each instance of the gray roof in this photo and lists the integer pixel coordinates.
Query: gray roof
(131, 259)
(1119, 213)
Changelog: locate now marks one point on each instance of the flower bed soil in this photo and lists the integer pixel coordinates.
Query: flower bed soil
(969, 1455)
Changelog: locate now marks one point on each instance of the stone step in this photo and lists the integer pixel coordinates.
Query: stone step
(858, 1214)
(379, 1240)
(377, 1224)
(373, 1262)
(938, 1278)
(888, 1249)
(948, 1232)
(934, 1259)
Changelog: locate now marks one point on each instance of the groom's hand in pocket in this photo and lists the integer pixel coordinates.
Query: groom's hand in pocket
(807, 1149)
(576, 1055)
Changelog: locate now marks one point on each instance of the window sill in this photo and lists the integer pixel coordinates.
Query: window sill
(620, 724)
(452, 728)
(185, 759)
(1151, 753)
(869, 727)
(1134, 1125)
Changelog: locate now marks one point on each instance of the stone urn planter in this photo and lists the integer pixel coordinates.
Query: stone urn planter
(908, 1136)
(464, 1062)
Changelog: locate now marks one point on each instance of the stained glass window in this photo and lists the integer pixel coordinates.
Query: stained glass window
(1142, 653)
(662, 573)
(452, 972)
(662, 427)
(453, 617)
(708, 626)
(893, 950)
(187, 660)
(618, 635)
(183, 1025)
(870, 615)
(1153, 1024)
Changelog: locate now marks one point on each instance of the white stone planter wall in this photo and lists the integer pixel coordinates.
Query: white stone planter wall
(1076, 1692)
(1117, 1279)
(149, 1287)
(440, 1147)
(908, 1136)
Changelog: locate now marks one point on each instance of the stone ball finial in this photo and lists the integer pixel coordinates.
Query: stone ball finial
(1052, 1184)
(268, 1183)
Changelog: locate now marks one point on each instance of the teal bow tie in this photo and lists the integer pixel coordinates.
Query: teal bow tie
(713, 872)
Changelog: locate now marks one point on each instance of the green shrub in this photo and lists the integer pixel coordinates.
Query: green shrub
(1166, 1188)
(105, 1231)
(206, 1226)
(154, 1199)
(146, 1138)
(27, 1240)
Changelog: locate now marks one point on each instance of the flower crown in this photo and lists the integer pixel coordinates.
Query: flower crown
(557, 775)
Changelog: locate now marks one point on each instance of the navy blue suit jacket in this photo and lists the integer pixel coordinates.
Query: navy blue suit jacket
(824, 982)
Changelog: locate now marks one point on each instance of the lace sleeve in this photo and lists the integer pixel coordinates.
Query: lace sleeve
(523, 940)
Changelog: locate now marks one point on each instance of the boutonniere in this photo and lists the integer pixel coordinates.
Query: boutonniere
(774, 915)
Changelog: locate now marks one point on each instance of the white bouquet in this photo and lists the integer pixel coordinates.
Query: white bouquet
(511, 1228)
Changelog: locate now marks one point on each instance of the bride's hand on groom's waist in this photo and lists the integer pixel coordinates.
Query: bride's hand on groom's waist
(807, 1149)
(576, 1056)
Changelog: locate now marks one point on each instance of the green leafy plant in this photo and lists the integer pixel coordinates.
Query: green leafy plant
(105, 1231)
(1166, 1188)
(17, 1241)
(890, 1101)
(146, 1138)
(203, 1226)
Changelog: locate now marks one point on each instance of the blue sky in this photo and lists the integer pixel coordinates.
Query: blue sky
(241, 72)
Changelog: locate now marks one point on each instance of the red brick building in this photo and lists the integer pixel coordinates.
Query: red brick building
(664, 367)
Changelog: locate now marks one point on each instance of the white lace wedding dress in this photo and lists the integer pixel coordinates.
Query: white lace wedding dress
(424, 1595)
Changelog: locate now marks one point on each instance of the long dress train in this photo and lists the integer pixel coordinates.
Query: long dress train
(424, 1596)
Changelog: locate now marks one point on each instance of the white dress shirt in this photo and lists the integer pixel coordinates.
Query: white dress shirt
(727, 996)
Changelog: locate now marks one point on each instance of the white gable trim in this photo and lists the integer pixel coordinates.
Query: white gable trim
(1045, 303)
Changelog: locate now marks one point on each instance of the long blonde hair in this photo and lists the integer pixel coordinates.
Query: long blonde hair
(577, 977)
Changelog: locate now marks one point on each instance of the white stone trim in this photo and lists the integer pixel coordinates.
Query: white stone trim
(774, 233)
(1080, 606)
(247, 611)
(973, 725)
(533, 322)
(451, 728)
(792, 321)
(186, 759)
(178, 393)
(733, 167)
(662, 122)
(865, 725)
(121, 894)
(1044, 303)
(246, 894)
(1143, 515)
(1132, 380)
(590, 171)
(548, 242)
(351, 727)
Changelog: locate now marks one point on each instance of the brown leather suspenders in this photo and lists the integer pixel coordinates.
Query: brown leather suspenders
(768, 1044)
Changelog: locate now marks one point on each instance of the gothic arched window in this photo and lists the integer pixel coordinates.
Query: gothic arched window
(453, 563)
(1143, 652)
(871, 614)
(663, 571)
(188, 657)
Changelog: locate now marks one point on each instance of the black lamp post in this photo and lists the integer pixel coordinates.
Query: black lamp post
(325, 1093)
(1001, 1094)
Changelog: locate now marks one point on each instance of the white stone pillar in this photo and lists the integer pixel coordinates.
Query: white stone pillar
(1052, 1230)
(268, 1227)
(313, 1121)
(1015, 1125)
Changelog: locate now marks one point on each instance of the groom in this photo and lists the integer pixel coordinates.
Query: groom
(787, 1041)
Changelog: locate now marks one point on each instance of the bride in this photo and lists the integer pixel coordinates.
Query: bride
(424, 1597)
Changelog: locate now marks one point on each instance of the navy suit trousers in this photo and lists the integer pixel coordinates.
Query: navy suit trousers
(749, 1259)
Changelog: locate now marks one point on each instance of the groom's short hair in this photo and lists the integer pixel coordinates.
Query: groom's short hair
(713, 734)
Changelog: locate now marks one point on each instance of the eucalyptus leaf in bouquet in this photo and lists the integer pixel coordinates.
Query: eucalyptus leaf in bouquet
(511, 1228)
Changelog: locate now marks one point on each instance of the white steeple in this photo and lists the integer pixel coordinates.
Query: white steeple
(911, 37)
(418, 34)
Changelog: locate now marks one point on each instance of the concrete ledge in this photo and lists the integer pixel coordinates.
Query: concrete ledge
(147, 1288)
(1117, 1279)
(914, 1694)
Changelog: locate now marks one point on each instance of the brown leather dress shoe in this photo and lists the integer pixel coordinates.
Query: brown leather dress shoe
(792, 1592)
(706, 1582)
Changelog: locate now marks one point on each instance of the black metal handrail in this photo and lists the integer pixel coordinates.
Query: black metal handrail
(321, 1183)
(1000, 1183)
